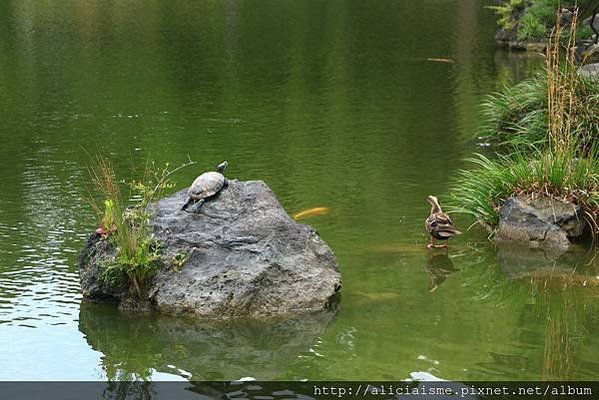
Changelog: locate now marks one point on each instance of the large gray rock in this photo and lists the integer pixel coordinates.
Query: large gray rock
(540, 222)
(245, 257)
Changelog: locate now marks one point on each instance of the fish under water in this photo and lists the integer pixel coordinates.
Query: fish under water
(378, 295)
(443, 60)
(311, 212)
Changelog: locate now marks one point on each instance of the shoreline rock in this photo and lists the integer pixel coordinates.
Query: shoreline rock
(509, 39)
(245, 257)
(541, 222)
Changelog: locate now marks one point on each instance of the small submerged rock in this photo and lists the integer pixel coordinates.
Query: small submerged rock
(541, 222)
(244, 256)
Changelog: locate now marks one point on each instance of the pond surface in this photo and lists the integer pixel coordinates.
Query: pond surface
(334, 104)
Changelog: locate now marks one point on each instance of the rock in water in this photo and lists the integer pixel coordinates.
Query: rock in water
(541, 222)
(245, 257)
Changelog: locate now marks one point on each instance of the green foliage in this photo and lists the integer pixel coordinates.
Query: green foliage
(533, 25)
(139, 255)
(584, 32)
(518, 115)
(135, 268)
(507, 10)
(179, 260)
(539, 17)
(109, 220)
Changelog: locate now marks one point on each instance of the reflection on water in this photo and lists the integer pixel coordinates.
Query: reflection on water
(439, 267)
(564, 286)
(519, 260)
(134, 347)
(559, 290)
(345, 109)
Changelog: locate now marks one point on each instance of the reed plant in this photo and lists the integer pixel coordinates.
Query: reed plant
(139, 255)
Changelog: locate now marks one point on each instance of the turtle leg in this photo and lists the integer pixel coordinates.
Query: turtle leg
(197, 206)
(189, 201)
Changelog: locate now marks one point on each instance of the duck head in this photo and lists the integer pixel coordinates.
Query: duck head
(434, 202)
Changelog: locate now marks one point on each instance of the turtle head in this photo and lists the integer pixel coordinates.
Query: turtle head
(222, 167)
(434, 202)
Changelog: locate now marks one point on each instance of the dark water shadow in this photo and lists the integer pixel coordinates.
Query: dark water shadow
(135, 346)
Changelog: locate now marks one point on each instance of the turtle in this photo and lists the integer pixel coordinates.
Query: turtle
(206, 186)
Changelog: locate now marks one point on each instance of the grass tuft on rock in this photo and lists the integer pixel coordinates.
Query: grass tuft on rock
(481, 191)
(139, 255)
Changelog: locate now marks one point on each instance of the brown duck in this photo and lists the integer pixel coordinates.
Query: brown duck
(438, 224)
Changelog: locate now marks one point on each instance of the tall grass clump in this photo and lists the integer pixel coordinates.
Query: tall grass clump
(555, 104)
(548, 128)
(517, 115)
(139, 255)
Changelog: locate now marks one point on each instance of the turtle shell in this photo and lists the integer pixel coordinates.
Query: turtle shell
(206, 185)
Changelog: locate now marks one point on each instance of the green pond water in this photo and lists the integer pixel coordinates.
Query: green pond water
(332, 103)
